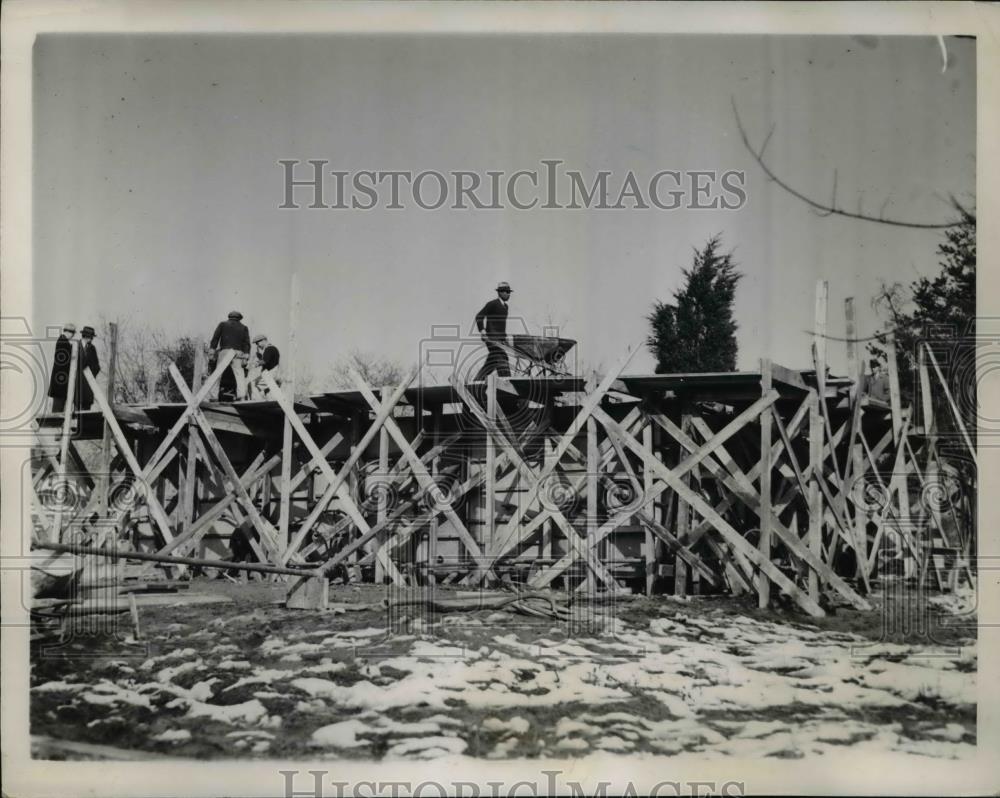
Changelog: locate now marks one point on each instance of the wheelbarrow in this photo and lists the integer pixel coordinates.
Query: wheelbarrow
(538, 355)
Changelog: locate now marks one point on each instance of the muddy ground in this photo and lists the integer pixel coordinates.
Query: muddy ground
(250, 679)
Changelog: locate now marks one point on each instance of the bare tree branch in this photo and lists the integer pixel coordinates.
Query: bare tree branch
(832, 209)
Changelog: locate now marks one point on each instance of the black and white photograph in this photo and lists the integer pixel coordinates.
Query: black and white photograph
(498, 399)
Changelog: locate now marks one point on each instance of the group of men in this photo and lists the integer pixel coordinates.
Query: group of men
(241, 381)
(86, 358)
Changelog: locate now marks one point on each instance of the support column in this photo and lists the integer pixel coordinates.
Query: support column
(191, 473)
(106, 449)
(683, 515)
(593, 467)
(383, 472)
(489, 520)
(815, 499)
(764, 585)
(67, 426)
(649, 545)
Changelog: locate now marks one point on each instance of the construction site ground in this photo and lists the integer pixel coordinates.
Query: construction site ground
(712, 676)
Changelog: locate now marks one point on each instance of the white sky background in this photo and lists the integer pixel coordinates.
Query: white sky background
(157, 185)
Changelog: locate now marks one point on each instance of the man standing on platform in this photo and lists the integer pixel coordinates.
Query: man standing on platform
(87, 359)
(491, 322)
(232, 334)
(267, 361)
(59, 379)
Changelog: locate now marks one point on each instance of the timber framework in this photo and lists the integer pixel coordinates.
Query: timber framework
(777, 482)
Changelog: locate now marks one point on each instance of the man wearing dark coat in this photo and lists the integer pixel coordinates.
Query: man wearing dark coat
(232, 334)
(87, 358)
(59, 379)
(491, 322)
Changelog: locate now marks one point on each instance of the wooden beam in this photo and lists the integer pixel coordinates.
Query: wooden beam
(347, 503)
(490, 488)
(67, 426)
(106, 451)
(954, 407)
(424, 479)
(766, 522)
(155, 510)
(815, 498)
(722, 526)
(191, 470)
(895, 398)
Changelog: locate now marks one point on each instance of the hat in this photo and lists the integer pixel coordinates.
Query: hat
(504, 287)
(69, 327)
(235, 314)
(87, 332)
(258, 338)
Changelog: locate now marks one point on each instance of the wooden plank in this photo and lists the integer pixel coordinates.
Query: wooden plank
(742, 488)
(648, 509)
(954, 407)
(593, 400)
(815, 498)
(346, 501)
(67, 426)
(702, 507)
(335, 479)
(191, 466)
(490, 487)
(199, 396)
(424, 478)
(854, 367)
(895, 397)
(267, 533)
(106, 451)
(383, 469)
(766, 521)
(683, 518)
(155, 510)
(593, 498)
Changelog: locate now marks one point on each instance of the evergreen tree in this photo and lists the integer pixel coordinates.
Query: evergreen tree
(697, 332)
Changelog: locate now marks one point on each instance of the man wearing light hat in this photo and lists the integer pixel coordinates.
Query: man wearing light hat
(491, 322)
(232, 334)
(267, 361)
(59, 379)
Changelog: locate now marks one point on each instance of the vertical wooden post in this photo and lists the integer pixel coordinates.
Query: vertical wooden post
(106, 449)
(547, 546)
(353, 483)
(815, 498)
(285, 505)
(383, 471)
(854, 369)
(764, 585)
(650, 538)
(64, 441)
(593, 466)
(819, 333)
(926, 402)
(287, 451)
(489, 520)
(895, 402)
(432, 542)
(683, 515)
(191, 473)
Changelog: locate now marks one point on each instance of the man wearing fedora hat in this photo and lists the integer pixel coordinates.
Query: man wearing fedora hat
(59, 379)
(232, 334)
(87, 359)
(491, 322)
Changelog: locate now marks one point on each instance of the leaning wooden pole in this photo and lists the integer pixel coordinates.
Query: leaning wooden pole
(67, 425)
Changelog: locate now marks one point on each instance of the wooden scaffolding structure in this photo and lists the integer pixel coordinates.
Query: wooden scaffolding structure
(774, 482)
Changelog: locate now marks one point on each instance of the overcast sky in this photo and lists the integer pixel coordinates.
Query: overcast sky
(157, 182)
